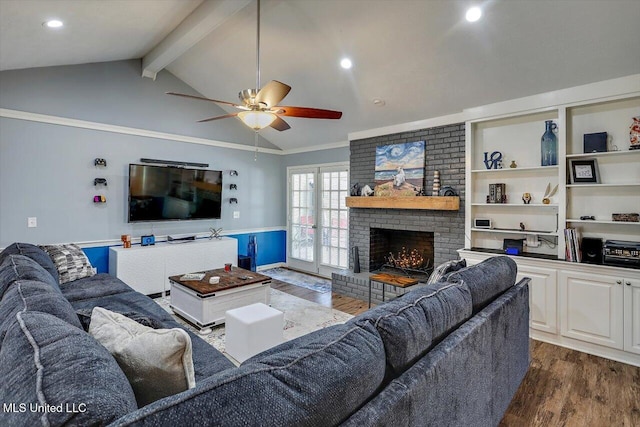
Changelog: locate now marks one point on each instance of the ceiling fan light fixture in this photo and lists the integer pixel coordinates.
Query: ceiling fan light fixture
(257, 120)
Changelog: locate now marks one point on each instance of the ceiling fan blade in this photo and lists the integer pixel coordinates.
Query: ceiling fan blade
(204, 99)
(272, 93)
(279, 124)
(226, 116)
(309, 113)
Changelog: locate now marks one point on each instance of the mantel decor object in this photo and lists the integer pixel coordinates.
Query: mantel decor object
(549, 145)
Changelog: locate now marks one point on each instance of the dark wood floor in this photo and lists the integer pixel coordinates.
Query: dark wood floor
(562, 388)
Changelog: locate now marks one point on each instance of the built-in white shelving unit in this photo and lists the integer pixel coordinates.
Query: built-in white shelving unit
(517, 136)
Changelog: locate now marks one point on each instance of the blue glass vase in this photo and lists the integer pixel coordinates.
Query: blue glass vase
(549, 145)
(252, 251)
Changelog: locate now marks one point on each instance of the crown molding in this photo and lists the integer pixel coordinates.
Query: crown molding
(104, 127)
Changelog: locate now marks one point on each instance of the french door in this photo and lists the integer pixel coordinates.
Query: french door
(318, 220)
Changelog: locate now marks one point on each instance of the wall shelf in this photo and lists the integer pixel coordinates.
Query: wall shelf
(604, 154)
(519, 169)
(435, 203)
(588, 221)
(517, 205)
(628, 184)
(515, 231)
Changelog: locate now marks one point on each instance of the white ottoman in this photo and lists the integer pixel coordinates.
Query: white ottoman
(252, 329)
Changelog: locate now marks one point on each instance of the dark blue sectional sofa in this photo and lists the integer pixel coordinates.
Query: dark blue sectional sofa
(449, 354)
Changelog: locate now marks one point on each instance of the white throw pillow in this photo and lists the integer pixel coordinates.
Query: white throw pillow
(157, 362)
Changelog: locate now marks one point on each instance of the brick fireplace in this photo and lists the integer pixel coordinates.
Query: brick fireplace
(444, 152)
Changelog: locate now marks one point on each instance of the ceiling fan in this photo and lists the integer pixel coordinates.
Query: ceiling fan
(260, 106)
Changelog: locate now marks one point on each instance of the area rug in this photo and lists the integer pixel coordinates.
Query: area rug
(300, 317)
(296, 278)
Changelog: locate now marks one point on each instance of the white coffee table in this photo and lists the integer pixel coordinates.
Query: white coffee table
(205, 305)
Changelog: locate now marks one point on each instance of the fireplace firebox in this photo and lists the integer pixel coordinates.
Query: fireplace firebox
(408, 252)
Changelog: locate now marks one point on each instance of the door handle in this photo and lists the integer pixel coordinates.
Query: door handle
(619, 282)
(627, 283)
(314, 226)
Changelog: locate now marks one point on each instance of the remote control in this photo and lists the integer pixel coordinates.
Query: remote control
(192, 276)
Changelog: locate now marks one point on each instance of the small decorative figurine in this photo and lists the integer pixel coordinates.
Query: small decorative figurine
(366, 191)
(513, 164)
(522, 227)
(526, 198)
(546, 199)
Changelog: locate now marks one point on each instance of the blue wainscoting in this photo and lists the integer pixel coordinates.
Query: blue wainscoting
(271, 246)
(271, 249)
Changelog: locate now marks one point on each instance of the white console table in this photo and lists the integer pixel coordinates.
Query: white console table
(147, 268)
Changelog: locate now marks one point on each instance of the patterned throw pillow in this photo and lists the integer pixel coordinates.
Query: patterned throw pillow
(445, 268)
(71, 262)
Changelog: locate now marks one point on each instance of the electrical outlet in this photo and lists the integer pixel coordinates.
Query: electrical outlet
(236, 214)
(32, 222)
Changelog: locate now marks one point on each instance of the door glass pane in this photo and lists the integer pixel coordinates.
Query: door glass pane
(334, 219)
(302, 214)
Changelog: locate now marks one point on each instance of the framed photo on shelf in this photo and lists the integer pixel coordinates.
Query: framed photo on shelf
(584, 171)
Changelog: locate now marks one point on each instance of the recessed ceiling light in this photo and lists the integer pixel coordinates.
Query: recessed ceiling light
(473, 14)
(53, 23)
(346, 63)
(379, 102)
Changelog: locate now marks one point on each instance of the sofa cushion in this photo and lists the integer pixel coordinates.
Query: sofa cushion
(46, 361)
(411, 325)
(27, 295)
(318, 380)
(157, 362)
(71, 262)
(487, 279)
(34, 252)
(20, 267)
(94, 287)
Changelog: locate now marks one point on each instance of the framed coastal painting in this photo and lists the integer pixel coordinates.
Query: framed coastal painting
(399, 169)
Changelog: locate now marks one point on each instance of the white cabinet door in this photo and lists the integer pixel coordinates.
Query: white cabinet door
(632, 315)
(591, 307)
(542, 298)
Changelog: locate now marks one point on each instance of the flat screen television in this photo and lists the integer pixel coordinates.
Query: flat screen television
(165, 193)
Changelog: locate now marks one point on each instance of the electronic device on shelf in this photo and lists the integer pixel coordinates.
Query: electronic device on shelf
(513, 246)
(482, 223)
(622, 253)
(99, 181)
(100, 162)
(181, 238)
(167, 193)
(591, 250)
(148, 240)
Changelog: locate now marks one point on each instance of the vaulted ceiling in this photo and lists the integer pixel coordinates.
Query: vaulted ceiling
(422, 58)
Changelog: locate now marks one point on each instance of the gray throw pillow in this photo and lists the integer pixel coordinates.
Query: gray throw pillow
(70, 260)
(157, 362)
(84, 315)
(444, 269)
